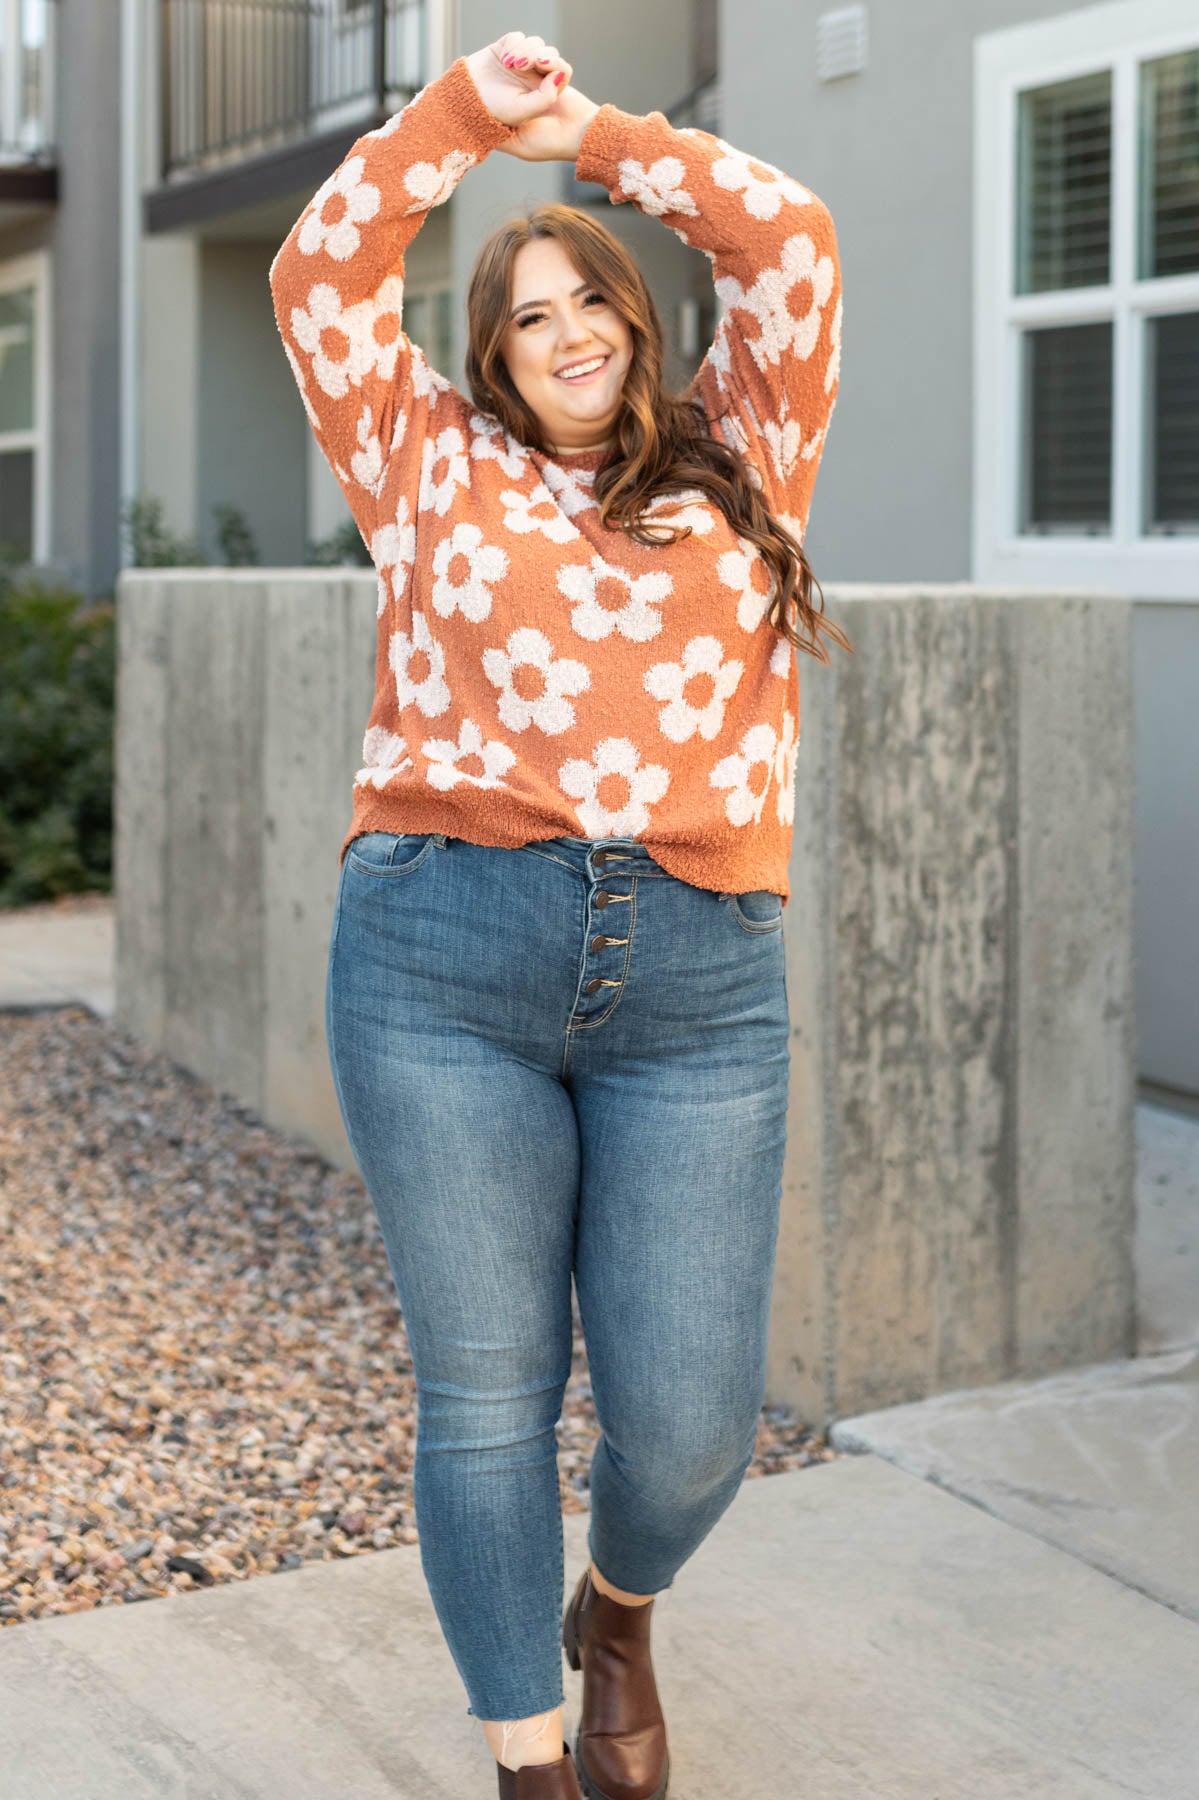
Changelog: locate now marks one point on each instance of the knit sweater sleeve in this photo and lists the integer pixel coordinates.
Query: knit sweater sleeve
(769, 380)
(337, 284)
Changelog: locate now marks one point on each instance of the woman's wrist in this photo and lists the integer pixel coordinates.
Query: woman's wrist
(585, 121)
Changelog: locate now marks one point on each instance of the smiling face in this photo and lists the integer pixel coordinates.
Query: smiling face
(558, 320)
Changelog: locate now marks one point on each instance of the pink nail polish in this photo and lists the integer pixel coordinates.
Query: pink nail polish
(559, 78)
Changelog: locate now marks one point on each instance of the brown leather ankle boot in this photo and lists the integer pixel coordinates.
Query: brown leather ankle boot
(541, 1781)
(620, 1749)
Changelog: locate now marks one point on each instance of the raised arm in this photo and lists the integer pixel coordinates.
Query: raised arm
(774, 362)
(338, 281)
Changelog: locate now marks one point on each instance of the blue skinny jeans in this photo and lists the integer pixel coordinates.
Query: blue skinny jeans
(551, 1061)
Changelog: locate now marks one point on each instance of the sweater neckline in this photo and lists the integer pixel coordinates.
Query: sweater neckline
(575, 459)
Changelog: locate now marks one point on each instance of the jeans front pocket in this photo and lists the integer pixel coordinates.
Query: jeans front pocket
(756, 911)
(390, 853)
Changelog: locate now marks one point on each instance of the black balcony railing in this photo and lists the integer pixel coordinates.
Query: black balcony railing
(243, 77)
(27, 50)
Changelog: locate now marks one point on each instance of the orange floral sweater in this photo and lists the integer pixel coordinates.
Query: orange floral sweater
(538, 674)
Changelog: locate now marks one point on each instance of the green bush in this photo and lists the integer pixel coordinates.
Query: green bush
(343, 546)
(153, 546)
(57, 702)
(235, 538)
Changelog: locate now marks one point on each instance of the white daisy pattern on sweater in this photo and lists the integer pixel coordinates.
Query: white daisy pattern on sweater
(431, 184)
(748, 574)
(444, 456)
(746, 773)
(491, 759)
(762, 187)
(787, 326)
(538, 670)
(393, 551)
(338, 208)
(314, 418)
(538, 511)
(384, 756)
(695, 690)
(833, 371)
(658, 189)
(614, 788)
(465, 567)
(785, 755)
(417, 662)
(490, 442)
(689, 506)
(367, 462)
(608, 599)
(535, 686)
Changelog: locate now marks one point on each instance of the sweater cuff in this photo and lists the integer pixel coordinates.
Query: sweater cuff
(478, 128)
(606, 138)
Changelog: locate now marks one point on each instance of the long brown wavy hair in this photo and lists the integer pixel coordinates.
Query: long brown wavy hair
(663, 440)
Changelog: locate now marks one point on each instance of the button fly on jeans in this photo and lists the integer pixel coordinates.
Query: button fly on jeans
(600, 942)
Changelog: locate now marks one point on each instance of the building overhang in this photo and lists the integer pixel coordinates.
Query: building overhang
(297, 167)
(24, 188)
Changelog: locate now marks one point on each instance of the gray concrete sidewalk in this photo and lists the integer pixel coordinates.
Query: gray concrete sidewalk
(63, 951)
(1102, 1462)
(847, 1632)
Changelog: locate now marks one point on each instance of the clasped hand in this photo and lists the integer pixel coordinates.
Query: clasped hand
(548, 117)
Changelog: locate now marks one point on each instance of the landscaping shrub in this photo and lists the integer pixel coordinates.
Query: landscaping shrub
(57, 702)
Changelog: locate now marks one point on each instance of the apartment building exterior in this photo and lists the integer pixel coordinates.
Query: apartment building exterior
(1016, 188)
(59, 291)
(249, 124)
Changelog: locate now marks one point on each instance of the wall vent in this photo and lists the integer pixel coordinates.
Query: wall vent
(841, 43)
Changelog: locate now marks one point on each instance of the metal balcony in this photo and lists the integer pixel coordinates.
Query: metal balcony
(243, 78)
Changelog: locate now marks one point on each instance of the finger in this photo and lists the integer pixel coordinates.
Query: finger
(530, 51)
(516, 58)
(525, 49)
(540, 99)
(550, 60)
(537, 67)
(508, 48)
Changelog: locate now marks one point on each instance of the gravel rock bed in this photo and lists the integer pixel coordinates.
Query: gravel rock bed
(204, 1374)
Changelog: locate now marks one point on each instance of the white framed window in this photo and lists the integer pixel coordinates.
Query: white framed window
(25, 407)
(1086, 261)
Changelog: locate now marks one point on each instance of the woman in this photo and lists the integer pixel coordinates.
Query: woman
(556, 1004)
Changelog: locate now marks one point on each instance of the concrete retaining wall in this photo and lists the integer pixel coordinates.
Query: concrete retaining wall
(958, 1202)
